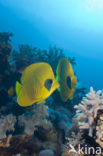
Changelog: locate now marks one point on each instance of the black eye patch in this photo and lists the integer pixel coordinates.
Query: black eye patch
(48, 84)
(69, 82)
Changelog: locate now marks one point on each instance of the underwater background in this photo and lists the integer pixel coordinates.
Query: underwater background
(75, 26)
(49, 31)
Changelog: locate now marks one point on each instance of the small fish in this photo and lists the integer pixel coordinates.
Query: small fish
(37, 84)
(66, 79)
(11, 91)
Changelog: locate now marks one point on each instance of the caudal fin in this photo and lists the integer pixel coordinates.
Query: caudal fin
(18, 87)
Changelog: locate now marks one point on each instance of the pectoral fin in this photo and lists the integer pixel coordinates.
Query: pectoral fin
(40, 102)
(18, 87)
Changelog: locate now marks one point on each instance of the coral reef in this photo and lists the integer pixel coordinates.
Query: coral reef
(5, 37)
(6, 142)
(62, 117)
(7, 77)
(74, 137)
(7, 123)
(99, 130)
(87, 110)
(32, 119)
(74, 140)
(87, 124)
(5, 50)
(38, 133)
(40, 129)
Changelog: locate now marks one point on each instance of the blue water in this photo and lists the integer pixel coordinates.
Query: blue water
(76, 26)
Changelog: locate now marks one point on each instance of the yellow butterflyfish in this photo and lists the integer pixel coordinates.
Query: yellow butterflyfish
(66, 79)
(37, 84)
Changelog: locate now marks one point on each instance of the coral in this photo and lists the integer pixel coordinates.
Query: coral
(89, 116)
(5, 50)
(50, 139)
(26, 144)
(37, 129)
(6, 76)
(19, 145)
(74, 139)
(46, 152)
(7, 124)
(28, 55)
(80, 91)
(36, 118)
(78, 95)
(6, 143)
(62, 117)
(5, 37)
(87, 110)
(99, 131)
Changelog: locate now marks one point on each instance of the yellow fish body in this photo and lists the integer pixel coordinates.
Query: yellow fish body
(66, 79)
(37, 84)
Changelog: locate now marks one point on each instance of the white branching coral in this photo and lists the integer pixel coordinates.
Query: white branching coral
(87, 110)
(7, 124)
(74, 140)
(38, 117)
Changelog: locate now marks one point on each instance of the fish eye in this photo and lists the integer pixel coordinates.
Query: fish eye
(48, 84)
(69, 82)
